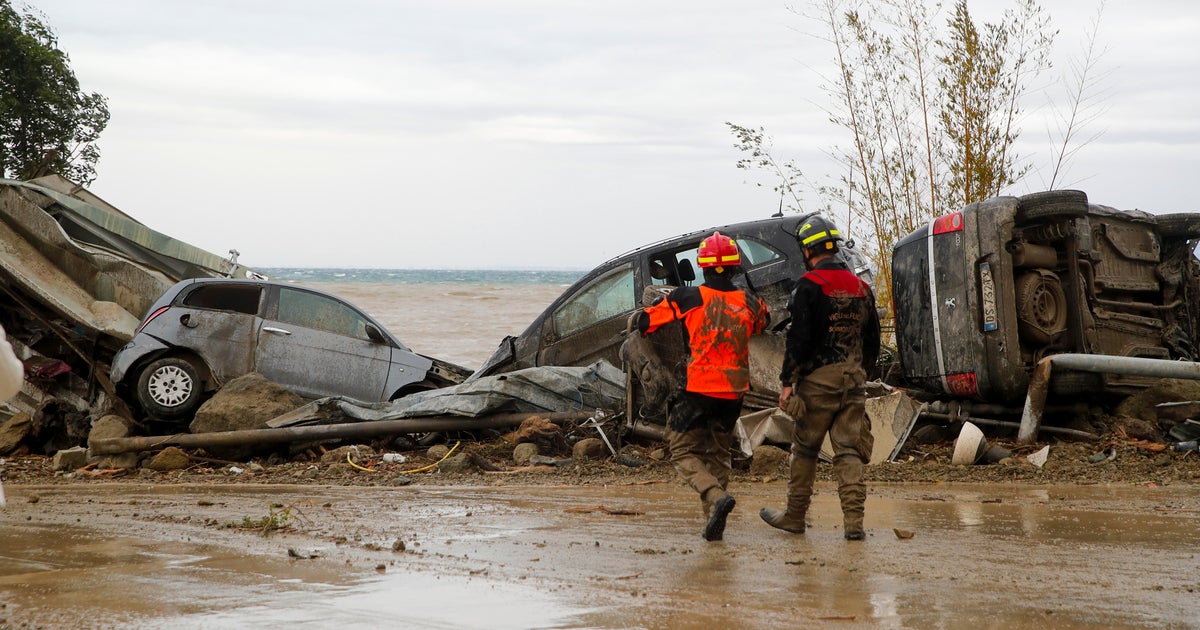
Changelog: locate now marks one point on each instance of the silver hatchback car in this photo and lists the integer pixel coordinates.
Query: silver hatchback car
(204, 332)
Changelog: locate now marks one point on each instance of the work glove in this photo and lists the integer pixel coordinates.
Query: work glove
(794, 406)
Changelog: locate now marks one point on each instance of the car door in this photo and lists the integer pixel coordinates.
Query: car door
(216, 321)
(590, 324)
(318, 346)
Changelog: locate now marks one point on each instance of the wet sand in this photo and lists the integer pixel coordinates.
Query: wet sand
(142, 556)
(139, 555)
(459, 323)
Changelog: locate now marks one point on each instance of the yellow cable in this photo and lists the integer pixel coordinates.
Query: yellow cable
(434, 464)
(448, 453)
(348, 461)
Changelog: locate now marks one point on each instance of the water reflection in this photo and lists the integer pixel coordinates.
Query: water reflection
(501, 557)
(413, 600)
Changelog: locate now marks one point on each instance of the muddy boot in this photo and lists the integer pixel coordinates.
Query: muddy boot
(714, 529)
(803, 473)
(852, 493)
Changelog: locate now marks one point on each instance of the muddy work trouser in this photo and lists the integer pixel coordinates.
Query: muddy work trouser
(700, 436)
(834, 403)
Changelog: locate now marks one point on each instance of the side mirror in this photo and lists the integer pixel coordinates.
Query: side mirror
(375, 335)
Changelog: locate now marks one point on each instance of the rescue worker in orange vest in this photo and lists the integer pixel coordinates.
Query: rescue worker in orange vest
(832, 340)
(719, 318)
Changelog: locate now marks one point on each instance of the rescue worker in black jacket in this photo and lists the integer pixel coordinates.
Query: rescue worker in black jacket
(832, 340)
(719, 318)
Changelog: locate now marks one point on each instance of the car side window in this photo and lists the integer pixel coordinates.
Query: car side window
(755, 252)
(607, 298)
(319, 312)
(239, 298)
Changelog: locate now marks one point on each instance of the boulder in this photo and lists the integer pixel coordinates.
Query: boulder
(247, 402)
(589, 448)
(523, 452)
(110, 426)
(13, 431)
(458, 463)
(70, 459)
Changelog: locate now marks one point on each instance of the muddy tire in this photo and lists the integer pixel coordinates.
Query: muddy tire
(1053, 203)
(1075, 384)
(1179, 225)
(422, 439)
(1041, 307)
(170, 388)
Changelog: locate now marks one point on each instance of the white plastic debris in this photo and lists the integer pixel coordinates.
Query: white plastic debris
(234, 470)
(394, 458)
(1039, 458)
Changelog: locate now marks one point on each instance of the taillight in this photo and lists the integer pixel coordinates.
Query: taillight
(150, 318)
(962, 384)
(949, 223)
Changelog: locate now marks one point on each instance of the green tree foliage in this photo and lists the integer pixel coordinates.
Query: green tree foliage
(47, 124)
(757, 147)
(931, 100)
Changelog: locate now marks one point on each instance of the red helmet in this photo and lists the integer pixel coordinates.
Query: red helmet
(718, 250)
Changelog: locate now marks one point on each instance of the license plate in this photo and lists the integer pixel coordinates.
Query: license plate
(987, 287)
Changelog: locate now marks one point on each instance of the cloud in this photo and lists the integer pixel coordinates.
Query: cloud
(403, 133)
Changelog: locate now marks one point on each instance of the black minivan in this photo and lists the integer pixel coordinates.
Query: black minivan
(981, 295)
(588, 321)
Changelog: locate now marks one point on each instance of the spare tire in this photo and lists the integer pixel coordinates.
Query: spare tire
(1053, 203)
(1041, 307)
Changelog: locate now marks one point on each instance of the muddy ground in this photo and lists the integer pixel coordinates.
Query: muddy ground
(1123, 460)
(598, 544)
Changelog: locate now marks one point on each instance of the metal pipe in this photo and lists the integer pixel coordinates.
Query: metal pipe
(1039, 383)
(647, 431)
(945, 417)
(1026, 255)
(431, 424)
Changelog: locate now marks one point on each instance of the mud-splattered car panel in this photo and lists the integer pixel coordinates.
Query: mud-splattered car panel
(202, 333)
(982, 294)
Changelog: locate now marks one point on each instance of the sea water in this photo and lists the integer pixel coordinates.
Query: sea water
(425, 276)
(460, 316)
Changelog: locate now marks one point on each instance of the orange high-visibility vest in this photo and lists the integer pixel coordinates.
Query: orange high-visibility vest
(719, 326)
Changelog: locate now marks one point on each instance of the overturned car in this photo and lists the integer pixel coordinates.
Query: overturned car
(983, 294)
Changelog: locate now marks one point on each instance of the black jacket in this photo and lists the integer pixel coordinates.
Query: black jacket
(833, 321)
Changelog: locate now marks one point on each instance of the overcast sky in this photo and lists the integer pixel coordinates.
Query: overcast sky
(529, 133)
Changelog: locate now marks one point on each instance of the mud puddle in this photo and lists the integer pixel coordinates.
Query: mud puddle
(126, 555)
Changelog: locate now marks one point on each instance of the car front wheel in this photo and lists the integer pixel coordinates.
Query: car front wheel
(170, 388)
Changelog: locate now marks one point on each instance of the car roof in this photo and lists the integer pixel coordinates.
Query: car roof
(266, 283)
(698, 234)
